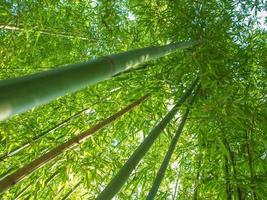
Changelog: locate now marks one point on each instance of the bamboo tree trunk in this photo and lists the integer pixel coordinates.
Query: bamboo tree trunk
(177, 185)
(227, 180)
(42, 134)
(121, 177)
(21, 94)
(18, 175)
(250, 163)
(18, 195)
(44, 32)
(197, 178)
(233, 161)
(160, 175)
(71, 191)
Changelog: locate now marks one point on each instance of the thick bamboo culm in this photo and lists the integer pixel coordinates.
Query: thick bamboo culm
(121, 177)
(24, 93)
(18, 175)
(160, 175)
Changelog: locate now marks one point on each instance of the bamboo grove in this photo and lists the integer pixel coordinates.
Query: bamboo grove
(133, 99)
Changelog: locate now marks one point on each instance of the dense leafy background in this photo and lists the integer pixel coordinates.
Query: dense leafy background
(223, 149)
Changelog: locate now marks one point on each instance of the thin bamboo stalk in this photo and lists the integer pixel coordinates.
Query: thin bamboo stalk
(160, 175)
(21, 94)
(44, 32)
(41, 135)
(233, 163)
(177, 185)
(21, 173)
(71, 191)
(228, 188)
(121, 177)
(197, 182)
(250, 163)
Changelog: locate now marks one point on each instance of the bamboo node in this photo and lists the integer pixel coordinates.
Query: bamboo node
(5, 111)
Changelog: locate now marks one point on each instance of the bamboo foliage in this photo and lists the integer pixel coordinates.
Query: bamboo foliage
(160, 175)
(226, 141)
(21, 173)
(121, 177)
(21, 94)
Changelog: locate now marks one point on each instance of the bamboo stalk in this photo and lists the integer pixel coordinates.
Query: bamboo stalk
(233, 163)
(39, 136)
(121, 177)
(21, 173)
(250, 163)
(227, 180)
(161, 172)
(176, 185)
(21, 94)
(44, 32)
(71, 191)
(197, 182)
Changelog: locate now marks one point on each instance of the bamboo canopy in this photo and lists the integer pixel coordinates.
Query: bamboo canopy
(121, 177)
(21, 173)
(21, 94)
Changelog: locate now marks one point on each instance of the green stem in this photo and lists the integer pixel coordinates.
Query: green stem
(41, 135)
(227, 180)
(121, 177)
(250, 163)
(24, 93)
(21, 173)
(44, 32)
(233, 162)
(71, 191)
(197, 182)
(160, 175)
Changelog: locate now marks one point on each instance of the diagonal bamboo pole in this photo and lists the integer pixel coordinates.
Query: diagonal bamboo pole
(45, 32)
(160, 175)
(71, 191)
(21, 94)
(121, 177)
(18, 175)
(16, 150)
